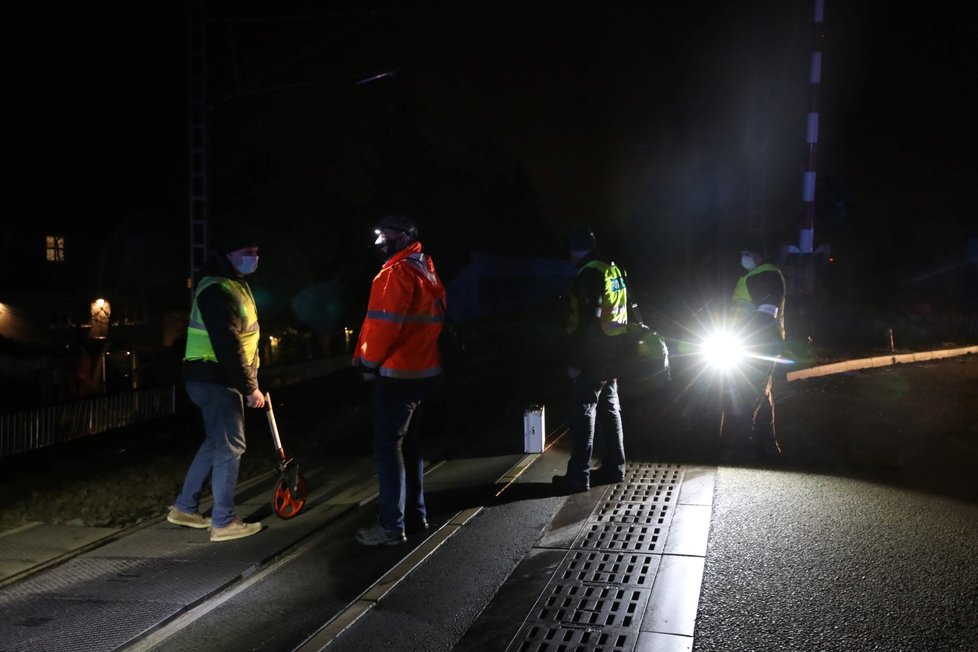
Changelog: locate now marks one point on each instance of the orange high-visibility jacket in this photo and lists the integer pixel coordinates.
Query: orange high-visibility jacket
(405, 315)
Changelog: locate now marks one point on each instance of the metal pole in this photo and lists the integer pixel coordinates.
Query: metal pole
(198, 141)
(807, 236)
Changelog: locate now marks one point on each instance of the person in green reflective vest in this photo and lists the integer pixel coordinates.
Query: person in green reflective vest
(220, 370)
(596, 330)
(756, 314)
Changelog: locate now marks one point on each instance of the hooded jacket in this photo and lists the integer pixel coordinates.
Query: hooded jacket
(405, 315)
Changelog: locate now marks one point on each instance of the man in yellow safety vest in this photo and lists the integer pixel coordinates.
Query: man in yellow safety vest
(220, 370)
(757, 314)
(596, 328)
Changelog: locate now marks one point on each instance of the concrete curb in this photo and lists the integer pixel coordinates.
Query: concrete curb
(878, 361)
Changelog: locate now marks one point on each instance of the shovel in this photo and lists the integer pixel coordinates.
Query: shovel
(290, 487)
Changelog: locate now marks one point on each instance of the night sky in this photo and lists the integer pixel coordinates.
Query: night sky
(505, 122)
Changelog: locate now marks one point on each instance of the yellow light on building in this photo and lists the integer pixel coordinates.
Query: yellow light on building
(101, 311)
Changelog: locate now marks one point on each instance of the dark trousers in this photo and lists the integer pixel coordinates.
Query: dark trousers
(747, 428)
(595, 405)
(397, 449)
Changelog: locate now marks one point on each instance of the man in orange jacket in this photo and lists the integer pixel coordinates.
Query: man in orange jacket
(397, 351)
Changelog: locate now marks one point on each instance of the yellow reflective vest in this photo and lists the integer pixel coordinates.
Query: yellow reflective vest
(199, 345)
(743, 305)
(614, 302)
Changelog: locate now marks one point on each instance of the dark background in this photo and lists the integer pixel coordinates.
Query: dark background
(499, 126)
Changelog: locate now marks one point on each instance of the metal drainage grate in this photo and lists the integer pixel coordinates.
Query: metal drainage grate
(593, 606)
(625, 569)
(601, 590)
(615, 511)
(653, 474)
(541, 638)
(638, 493)
(618, 537)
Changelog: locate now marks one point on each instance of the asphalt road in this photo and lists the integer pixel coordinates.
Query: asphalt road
(864, 538)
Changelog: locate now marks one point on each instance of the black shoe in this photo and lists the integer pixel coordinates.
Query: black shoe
(378, 535)
(563, 485)
(735, 454)
(770, 455)
(604, 475)
(415, 525)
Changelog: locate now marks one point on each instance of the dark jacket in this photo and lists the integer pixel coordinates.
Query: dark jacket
(766, 287)
(220, 315)
(595, 354)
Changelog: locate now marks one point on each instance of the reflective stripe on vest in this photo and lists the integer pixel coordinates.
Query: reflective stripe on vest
(405, 314)
(199, 345)
(614, 301)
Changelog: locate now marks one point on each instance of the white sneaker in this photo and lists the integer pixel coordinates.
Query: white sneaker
(194, 520)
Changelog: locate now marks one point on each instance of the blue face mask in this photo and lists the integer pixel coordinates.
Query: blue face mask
(747, 262)
(246, 264)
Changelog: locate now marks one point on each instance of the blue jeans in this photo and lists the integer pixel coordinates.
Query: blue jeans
(595, 403)
(219, 456)
(397, 449)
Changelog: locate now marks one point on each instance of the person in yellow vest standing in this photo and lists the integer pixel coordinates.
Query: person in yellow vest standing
(397, 353)
(596, 331)
(747, 430)
(220, 370)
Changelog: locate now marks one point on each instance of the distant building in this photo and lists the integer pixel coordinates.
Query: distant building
(84, 312)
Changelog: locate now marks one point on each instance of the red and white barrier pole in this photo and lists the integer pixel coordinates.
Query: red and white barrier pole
(807, 237)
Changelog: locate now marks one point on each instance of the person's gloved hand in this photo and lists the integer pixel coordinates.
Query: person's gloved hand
(573, 373)
(367, 374)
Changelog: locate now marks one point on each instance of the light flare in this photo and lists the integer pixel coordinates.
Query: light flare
(723, 350)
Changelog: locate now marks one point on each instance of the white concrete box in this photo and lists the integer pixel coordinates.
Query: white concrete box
(534, 429)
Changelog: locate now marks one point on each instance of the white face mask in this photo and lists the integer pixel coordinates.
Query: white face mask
(747, 262)
(245, 264)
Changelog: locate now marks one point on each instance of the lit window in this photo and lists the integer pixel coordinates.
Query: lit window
(55, 249)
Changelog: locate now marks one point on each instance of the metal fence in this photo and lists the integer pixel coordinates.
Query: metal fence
(40, 427)
(24, 431)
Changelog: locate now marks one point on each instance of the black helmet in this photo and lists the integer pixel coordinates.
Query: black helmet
(387, 245)
(397, 222)
(234, 239)
(581, 239)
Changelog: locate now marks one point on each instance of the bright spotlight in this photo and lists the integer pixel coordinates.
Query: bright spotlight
(723, 351)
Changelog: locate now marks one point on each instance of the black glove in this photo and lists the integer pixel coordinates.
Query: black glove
(367, 374)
